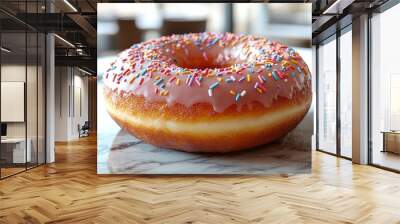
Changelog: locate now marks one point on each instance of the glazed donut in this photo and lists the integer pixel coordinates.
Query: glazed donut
(208, 92)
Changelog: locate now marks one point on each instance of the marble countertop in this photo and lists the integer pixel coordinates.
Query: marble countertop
(129, 155)
(122, 153)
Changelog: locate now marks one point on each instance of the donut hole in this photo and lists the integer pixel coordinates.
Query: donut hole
(204, 58)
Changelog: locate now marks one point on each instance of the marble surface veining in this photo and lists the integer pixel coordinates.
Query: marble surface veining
(129, 155)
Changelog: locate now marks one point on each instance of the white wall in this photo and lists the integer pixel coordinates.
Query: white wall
(71, 93)
(62, 82)
(33, 127)
(12, 73)
(79, 117)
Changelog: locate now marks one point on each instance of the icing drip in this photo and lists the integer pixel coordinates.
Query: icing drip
(218, 69)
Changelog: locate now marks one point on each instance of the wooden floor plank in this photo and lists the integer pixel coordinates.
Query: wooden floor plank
(70, 191)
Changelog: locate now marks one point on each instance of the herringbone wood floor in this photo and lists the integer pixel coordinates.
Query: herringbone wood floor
(70, 191)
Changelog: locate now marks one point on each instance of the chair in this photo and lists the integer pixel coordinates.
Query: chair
(84, 130)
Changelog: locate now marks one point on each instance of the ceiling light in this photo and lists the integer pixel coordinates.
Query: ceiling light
(84, 71)
(5, 50)
(64, 40)
(70, 5)
(79, 51)
(337, 7)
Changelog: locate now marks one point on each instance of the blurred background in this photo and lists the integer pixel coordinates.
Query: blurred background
(120, 25)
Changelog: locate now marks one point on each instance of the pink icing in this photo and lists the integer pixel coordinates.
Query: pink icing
(151, 69)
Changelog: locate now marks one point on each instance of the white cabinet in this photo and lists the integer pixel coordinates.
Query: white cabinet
(18, 149)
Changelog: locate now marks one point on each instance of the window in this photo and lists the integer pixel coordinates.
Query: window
(385, 89)
(346, 94)
(327, 97)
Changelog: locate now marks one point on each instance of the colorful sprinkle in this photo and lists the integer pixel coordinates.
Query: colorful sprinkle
(210, 93)
(141, 81)
(263, 78)
(228, 80)
(214, 41)
(126, 72)
(280, 74)
(159, 81)
(212, 86)
(262, 88)
(190, 81)
(132, 79)
(171, 79)
(275, 75)
(259, 78)
(197, 81)
(237, 97)
(164, 93)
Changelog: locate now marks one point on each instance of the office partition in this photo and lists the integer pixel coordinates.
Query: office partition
(22, 77)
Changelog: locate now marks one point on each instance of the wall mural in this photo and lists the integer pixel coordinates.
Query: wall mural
(188, 97)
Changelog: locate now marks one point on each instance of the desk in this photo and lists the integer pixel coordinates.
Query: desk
(391, 141)
(15, 148)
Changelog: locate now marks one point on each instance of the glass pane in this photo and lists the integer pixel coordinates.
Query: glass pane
(13, 87)
(31, 97)
(31, 87)
(41, 98)
(346, 94)
(327, 97)
(385, 89)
